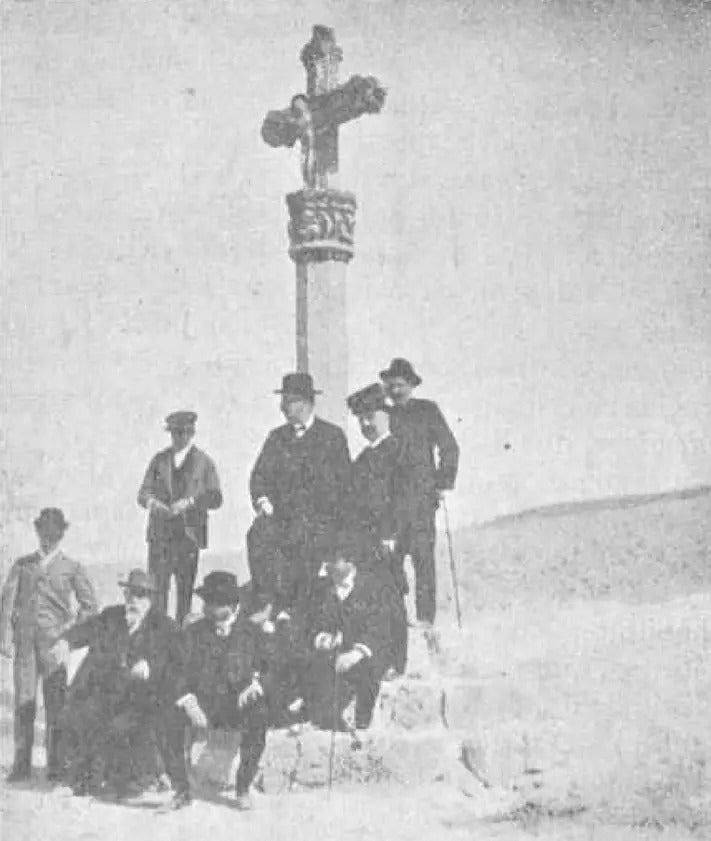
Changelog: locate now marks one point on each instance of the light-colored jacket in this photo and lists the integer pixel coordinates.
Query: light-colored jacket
(38, 604)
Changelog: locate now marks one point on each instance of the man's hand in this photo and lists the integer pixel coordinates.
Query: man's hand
(155, 506)
(181, 505)
(264, 506)
(346, 661)
(194, 711)
(250, 694)
(388, 546)
(59, 652)
(141, 670)
(328, 642)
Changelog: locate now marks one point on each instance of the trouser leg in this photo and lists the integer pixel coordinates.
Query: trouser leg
(24, 733)
(54, 691)
(254, 740)
(399, 635)
(170, 736)
(363, 682)
(159, 567)
(185, 574)
(423, 559)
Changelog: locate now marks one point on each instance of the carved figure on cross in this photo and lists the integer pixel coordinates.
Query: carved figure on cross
(313, 118)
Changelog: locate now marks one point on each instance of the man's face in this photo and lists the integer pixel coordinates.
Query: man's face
(374, 425)
(138, 603)
(399, 389)
(296, 409)
(181, 436)
(218, 614)
(48, 538)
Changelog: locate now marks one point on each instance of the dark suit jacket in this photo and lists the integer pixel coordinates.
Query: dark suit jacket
(217, 669)
(306, 479)
(364, 617)
(105, 672)
(202, 483)
(371, 506)
(424, 433)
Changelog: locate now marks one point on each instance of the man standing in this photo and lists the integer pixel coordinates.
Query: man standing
(225, 682)
(180, 486)
(430, 463)
(372, 506)
(36, 608)
(297, 486)
(116, 705)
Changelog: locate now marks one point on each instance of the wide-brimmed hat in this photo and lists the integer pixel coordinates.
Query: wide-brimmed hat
(401, 368)
(52, 520)
(299, 384)
(139, 579)
(220, 587)
(180, 420)
(372, 398)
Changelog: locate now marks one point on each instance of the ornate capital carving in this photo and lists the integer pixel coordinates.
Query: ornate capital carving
(321, 225)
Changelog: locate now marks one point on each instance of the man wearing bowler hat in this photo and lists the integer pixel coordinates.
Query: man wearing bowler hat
(225, 682)
(44, 595)
(115, 713)
(297, 487)
(430, 464)
(180, 486)
(372, 505)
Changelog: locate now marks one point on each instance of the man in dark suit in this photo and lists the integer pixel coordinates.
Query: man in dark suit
(297, 487)
(430, 464)
(225, 682)
(350, 640)
(115, 711)
(372, 505)
(180, 486)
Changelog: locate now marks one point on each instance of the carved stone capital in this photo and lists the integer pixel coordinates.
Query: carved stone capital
(321, 225)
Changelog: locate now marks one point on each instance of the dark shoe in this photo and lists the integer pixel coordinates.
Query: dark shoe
(19, 773)
(180, 800)
(244, 802)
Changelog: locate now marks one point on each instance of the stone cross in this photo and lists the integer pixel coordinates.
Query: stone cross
(321, 217)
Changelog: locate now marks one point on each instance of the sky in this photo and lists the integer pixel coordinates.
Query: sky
(532, 232)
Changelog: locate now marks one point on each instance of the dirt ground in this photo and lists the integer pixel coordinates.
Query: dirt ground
(607, 698)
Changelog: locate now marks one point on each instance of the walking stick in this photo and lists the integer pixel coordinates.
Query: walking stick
(332, 748)
(452, 564)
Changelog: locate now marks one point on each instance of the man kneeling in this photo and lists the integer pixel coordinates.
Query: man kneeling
(224, 684)
(351, 641)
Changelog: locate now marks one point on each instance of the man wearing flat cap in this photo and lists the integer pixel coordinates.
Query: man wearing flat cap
(372, 506)
(180, 486)
(297, 487)
(430, 464)
(225, 681)
(115, 708)
(44, 595)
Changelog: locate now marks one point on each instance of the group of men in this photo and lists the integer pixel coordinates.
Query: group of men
(320, 625)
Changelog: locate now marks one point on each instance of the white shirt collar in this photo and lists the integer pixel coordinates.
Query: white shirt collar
(180, 455)
(346, 588)
(224, 628)
(46, 560)
(303, 428)
(378, 441)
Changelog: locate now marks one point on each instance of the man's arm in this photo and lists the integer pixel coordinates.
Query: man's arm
(148, 493)
(85, 594)
(447, 448)
(7, 607)
(211, 498)
(261, 480)
(85, 633)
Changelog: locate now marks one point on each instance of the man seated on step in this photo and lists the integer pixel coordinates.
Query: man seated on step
(113, 718)
(351, 640)
(225, 680)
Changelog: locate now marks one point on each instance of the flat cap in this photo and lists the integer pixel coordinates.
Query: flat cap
(179, 420)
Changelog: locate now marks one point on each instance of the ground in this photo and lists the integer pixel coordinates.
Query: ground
(580, 685)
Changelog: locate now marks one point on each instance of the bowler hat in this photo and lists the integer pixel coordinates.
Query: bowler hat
(401, 368)
(179, 420)
(369, 399)
(139, 579)
(51, 519)
(220, 587)
(300, 384)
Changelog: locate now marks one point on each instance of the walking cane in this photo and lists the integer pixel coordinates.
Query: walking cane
(452, 563)
(332, 748)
